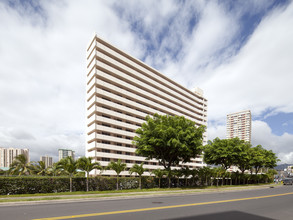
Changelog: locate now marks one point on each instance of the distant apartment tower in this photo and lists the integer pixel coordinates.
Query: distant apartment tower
(239, 125)
(63, 153)
(121, 92)
(7, 155)
(47, 160)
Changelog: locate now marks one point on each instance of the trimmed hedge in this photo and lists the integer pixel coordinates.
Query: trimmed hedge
(45, 184)
(31, 185)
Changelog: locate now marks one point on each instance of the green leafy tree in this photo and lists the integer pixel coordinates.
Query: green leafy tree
(228, 152)
(118, 167)
(242, 155)
(271, 173)
(258, 158)
(218, 152)
(20, 166)
(86, 164)
(169, 139)
(139, 170)
(159, 174)
(270, 159)
(69, 166)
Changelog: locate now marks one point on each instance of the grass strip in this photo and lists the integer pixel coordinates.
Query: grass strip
(115, 193)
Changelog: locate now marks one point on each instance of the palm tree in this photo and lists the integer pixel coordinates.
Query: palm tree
(159, 174)
(118, 167)
(54, 170)
(69, 166)
(20, 166)
(169, 174)
(207, 174)
(177, 174)
(193, 173)
(86, 164)
(139, 170)
(218, 172)
(186, 173)
(39, 168)
(201, 176)
(3, 172)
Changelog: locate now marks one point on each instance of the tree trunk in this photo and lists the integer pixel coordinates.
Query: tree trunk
(87, 182)
(117, 183)
(70, 183)
(159, 182)
(140, 182)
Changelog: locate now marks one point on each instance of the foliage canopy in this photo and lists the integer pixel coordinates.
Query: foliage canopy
(169, 139)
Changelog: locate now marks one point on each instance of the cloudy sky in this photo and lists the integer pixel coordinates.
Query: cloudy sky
(239, 52)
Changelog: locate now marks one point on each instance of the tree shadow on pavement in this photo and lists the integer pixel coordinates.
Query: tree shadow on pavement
(224, 216)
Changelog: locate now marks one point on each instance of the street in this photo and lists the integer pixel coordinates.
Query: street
(266, 203)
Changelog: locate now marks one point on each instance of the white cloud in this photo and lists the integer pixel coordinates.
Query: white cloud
(214, 131)
(43, 67)
(259, 77)
(282, 145)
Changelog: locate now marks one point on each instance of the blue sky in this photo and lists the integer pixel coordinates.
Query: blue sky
(239, 52)
(280, 122)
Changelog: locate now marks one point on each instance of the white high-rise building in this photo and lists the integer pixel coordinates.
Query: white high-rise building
(7, 155)
(239, 125)
(63, 153)
(47, 160)
(121, 92)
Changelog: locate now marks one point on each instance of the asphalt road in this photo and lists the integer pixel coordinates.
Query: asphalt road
(261, 204)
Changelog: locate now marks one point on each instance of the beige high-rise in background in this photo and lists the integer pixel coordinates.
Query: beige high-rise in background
(63, 153)
(7, 155)
(47, 160)
(121, 92)
(239, 125)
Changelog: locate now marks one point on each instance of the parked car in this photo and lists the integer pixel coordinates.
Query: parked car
(288, 181)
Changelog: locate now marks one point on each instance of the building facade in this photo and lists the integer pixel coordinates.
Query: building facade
(63, 153)
(239, 125)
(121, 92)
(47, 160)
(7, 155)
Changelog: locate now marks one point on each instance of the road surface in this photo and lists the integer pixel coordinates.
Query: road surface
(261, 204)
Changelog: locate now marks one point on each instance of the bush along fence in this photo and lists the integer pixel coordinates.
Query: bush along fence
(38, 184)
